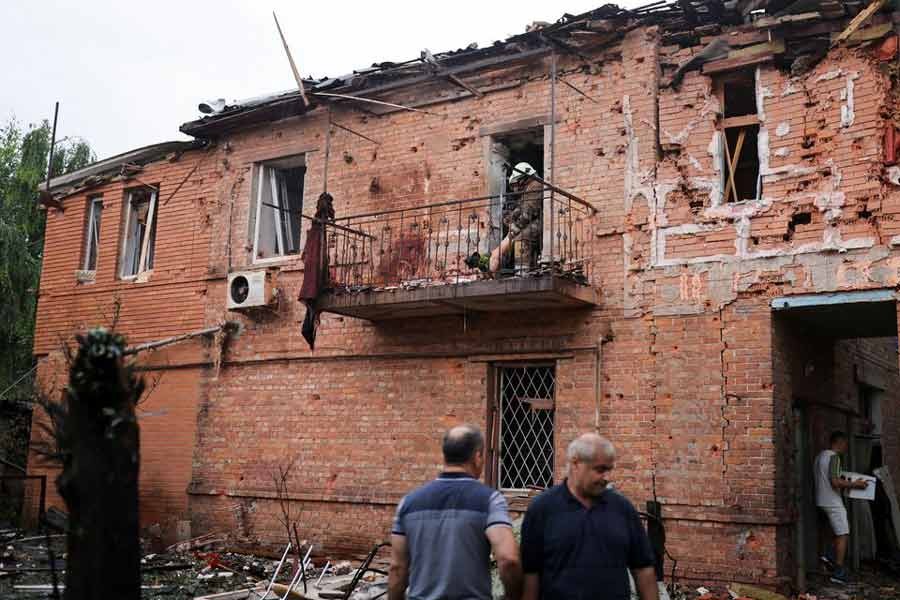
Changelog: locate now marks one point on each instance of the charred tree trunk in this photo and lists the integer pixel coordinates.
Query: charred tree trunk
(99, 481)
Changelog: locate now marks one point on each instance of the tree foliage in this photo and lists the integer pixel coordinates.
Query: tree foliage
(24, 153)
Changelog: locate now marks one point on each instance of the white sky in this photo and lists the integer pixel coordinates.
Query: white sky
(128, 74)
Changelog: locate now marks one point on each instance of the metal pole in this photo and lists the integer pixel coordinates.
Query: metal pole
(277, 570)
(52, 144)
(327, 152)
(552, 145)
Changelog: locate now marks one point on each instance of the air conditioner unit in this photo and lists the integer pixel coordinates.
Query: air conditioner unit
(249, 289)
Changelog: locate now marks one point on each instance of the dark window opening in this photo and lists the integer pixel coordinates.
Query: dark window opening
(279, 197)
(742, 181)
(508, 151)
(739, 91)
(139, 251)
(92, 234)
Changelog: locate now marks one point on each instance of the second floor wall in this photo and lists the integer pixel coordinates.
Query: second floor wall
(809, 208)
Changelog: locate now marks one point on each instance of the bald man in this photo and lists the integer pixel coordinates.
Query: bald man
(445, 531)
(580, 537)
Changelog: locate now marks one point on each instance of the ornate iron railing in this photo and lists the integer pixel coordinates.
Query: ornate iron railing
(456, 242)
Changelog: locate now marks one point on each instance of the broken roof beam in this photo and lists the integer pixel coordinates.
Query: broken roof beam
(745, 57)
(373, 101)
(428, 58)
(495, 61)
(858, 20)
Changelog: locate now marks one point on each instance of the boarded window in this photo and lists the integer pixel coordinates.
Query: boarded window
(522, 428)
(138, 248)
(739, 134)
(92, 234)
(279, 205)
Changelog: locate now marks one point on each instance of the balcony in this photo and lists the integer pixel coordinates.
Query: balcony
(437, 259)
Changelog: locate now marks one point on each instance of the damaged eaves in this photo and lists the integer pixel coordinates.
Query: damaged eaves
(793, 34)
(125, 165)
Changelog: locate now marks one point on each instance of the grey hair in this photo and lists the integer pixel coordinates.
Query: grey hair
(586, 446)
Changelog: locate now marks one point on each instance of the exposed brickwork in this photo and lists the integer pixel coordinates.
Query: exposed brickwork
(697, 377)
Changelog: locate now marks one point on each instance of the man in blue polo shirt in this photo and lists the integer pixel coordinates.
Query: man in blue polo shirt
(579, 538)
(444, 531)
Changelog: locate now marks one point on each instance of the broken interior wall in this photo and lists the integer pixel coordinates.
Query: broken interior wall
(168, 301)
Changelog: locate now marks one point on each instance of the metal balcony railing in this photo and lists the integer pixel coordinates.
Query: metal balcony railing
(454, 242)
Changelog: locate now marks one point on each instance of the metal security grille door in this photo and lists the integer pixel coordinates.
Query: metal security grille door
(526, 427)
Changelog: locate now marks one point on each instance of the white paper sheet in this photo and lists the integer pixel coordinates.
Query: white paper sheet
(866, 494)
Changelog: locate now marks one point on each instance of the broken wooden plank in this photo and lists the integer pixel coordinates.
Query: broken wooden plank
(742, 121)
(287, 50)
(772, 47)
(464, 85)
(755, 593)
(858, 20)
(765, 22)
(745, 57)
(868, 34)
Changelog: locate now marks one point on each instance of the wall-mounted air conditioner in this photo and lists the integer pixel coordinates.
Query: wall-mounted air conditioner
(250, 289)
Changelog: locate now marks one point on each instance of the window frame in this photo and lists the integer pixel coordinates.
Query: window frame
(92, 233)
(493, 437)
(268, 170)
(150, 229)
(741, 122)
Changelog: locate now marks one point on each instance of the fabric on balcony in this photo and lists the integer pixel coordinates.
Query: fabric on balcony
(315, 269)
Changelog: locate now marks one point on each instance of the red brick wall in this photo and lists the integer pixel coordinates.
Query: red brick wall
(693, 387)
(171, 301)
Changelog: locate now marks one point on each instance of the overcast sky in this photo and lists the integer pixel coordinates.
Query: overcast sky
(128, 74)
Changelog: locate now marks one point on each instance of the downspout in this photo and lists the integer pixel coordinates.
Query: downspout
(598, 388)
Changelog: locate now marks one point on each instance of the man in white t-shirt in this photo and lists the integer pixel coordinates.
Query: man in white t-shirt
(829, 486)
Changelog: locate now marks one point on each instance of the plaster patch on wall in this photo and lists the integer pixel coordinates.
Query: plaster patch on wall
(710, 105)
(895, 241)
(848, 116)
(783, 129)
(782, 152)
(762, 92)
(893, 175)
(631, 153)
(830, 75)
(694, 162)
(762, 147)
(789, 88)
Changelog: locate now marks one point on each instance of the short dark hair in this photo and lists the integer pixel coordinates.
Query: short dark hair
(461, 443)
(837, 436)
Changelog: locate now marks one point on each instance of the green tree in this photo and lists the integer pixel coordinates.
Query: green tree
(23, 168)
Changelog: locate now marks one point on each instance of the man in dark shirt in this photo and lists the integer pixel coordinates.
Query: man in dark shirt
(579, 538)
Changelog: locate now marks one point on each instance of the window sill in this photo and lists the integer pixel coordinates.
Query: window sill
(85, 277)
(142, 277)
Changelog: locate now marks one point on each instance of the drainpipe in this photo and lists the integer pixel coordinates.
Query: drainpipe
(598, 388)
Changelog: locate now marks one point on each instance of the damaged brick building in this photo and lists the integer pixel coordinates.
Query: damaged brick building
(714, 287)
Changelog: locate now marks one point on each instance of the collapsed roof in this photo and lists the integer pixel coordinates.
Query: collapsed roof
(682, 22)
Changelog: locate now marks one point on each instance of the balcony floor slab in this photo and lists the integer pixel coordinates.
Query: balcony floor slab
(547, 292)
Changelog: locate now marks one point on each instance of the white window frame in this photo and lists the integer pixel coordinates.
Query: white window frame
(92, 233)
(266, 174)
(144, 251)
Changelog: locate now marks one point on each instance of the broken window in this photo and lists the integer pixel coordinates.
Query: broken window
(507, 151)
(140, 231)
(92, 234)
(739, 133)
(278, 191)
(522, 436)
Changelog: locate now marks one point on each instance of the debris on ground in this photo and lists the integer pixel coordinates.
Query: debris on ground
(201, 568)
